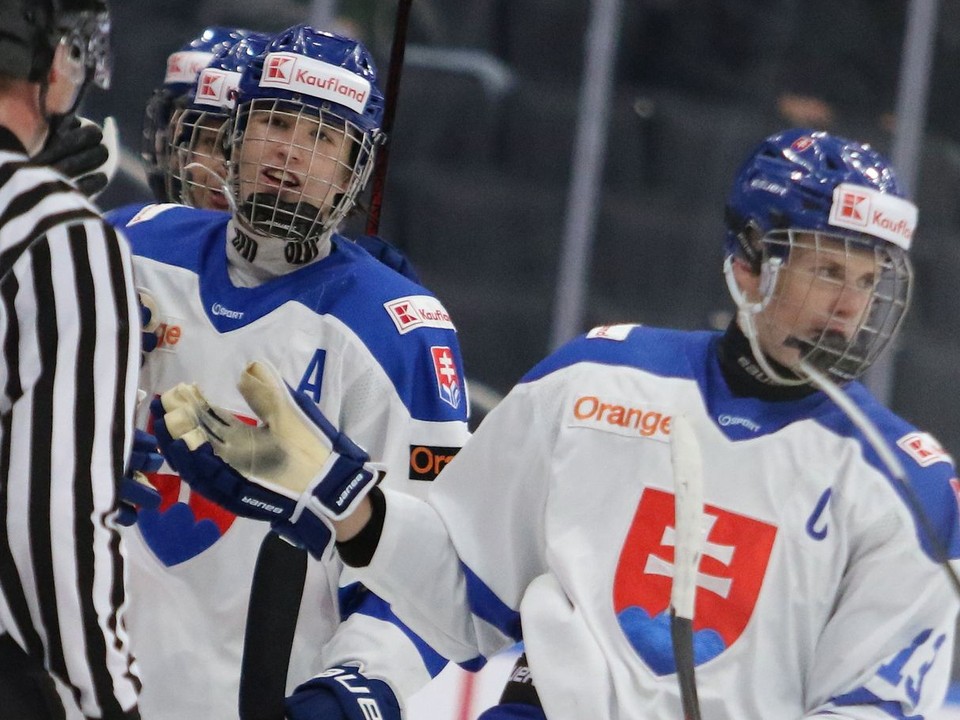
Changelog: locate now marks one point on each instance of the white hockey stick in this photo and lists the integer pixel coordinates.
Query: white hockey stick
(888, 458)
(688, 544)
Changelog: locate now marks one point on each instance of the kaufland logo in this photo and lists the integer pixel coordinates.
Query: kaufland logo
(923, 448)
(211, 84)
(183, 67)
(316, 78)
(855, 207)
(217, 88)
(414, 311)
(869, 211)
(279, 68)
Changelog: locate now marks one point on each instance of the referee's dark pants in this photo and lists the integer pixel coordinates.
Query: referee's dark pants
(27, 692)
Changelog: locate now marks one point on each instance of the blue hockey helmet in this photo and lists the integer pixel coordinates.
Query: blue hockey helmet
(289, 67)
(180, 76)
(818, 233)
(790, 181)
(196, 130)
(322, 87)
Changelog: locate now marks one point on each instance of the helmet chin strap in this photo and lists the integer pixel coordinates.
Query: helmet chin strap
(747, 312)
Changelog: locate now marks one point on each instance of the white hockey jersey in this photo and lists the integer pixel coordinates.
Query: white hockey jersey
(380, 357)
(817, 593)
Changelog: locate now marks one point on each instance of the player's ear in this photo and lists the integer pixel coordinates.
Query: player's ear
(747, 280)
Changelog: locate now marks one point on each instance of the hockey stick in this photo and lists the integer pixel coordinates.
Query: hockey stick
(280, 572)
(275, 594)
(888, 458)
(688, 493)
(397, 50)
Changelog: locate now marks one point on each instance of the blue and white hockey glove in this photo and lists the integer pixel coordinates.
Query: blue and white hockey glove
(135, 491)
(389, 256)
(342, 693)
(295, 470)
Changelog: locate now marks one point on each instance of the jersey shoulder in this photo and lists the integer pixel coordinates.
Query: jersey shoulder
(929, 482)
(39, 200)
(379, 303)
(660, 351)
(404, 327)
(22, 178)
(167, 232)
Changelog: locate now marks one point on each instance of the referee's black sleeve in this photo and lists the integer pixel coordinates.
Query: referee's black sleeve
(69, 336)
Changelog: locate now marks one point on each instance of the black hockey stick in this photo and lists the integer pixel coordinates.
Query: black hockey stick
(688, 541)
(280, 572)
(275, 594)
(397, 50)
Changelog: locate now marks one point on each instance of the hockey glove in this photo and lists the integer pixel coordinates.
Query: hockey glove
(388, 255)
(81, 150)
(135, 491)
(342, 693)
(294, 470)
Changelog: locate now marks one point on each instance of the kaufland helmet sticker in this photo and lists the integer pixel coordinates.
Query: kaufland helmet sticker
(217, 88)
(297, 73)
(866, 210)
(183, 67)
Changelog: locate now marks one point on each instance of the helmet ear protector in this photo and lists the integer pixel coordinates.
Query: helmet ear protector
(749, 238)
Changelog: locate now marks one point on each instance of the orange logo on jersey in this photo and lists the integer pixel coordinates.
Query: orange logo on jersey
(591, 411)
(167, 335)
(426, 461)
(734, 561)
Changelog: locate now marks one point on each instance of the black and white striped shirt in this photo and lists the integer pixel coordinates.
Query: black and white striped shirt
(69, 337)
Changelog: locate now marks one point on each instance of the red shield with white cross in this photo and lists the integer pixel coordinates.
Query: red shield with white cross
(448, 382)
(734, 560)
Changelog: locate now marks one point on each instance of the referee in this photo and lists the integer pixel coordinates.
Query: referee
(69, 337)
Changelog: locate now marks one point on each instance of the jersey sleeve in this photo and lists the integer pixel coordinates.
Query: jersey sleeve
(70, 313)
(887, 649)
(372, 637)
(477, 543)
(415, 434)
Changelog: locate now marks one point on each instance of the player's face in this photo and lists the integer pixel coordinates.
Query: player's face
(822, 296)
(296, 156)
(205, 167)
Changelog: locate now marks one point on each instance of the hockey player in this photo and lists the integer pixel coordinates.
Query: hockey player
(183, 145)
(196, 152)
(372, 349)
(179, 81)
(69, 368)
(819, 593)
